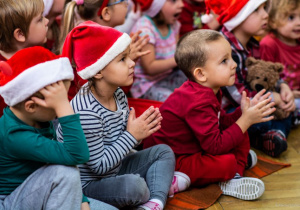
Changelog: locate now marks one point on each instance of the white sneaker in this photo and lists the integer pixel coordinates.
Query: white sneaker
(244, 188)
(180, 182)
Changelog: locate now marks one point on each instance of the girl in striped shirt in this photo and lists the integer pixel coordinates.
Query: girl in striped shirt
(113, 174)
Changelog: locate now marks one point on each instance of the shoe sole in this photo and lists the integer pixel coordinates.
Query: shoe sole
(244, 188)
(186, 177)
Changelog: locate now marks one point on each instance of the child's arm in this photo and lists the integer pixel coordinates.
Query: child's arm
(37, 147)
(152, 66)
(254, 112)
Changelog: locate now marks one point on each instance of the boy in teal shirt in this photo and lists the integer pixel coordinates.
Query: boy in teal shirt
(36, 170)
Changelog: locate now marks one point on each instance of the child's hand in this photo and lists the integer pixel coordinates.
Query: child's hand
(296, 93)
(260, 96)
(137, 43)
(287, 97)
(55, 97)
(145, 125)
(255, 114)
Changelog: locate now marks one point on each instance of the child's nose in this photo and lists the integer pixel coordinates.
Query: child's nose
(265, 14)
(131, 63)
(46, 21)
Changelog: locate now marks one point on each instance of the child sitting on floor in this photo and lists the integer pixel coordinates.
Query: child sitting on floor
(210, 146)
(113, 175)
(36, 170)
(241, 20)
(282, 44)
(155, 73)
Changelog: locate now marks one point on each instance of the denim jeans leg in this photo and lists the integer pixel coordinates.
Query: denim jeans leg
(49, 187)
(144, 175)
(119, 191)
(156, 165)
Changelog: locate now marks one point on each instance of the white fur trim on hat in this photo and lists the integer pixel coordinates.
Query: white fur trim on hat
(35, 78)
(243, 14)
(155, 7)
(47, 6)
(118, 47)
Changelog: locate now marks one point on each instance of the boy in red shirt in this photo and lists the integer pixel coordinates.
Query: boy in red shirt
(210, 145)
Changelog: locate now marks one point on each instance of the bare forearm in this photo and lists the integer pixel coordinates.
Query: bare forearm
(159, 66)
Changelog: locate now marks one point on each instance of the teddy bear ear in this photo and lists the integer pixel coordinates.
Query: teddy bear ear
(278, 67)
(250, 61)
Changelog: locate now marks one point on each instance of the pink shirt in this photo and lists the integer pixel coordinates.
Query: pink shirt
(165, 47)
(272, 49)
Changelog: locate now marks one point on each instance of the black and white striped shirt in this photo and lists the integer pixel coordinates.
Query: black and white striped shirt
(105, 132)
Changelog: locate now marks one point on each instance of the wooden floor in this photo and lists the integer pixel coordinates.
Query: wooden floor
(282, 187)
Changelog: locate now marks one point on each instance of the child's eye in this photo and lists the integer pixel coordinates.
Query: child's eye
(123, 59)
(224, 61)
(291, 17)
(41, 18)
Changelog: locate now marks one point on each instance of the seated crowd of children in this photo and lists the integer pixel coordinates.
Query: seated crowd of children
(69, 139)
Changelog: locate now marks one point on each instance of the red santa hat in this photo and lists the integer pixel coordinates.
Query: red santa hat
(150, 7)
(92, 46)
(233, 12)
(29, 70)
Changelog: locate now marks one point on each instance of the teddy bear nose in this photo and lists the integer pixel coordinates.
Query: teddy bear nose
(259, 87)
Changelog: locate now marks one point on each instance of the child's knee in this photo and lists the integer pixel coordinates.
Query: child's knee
(163, 151)
(228, 167)
(136, 189)
(68, 173)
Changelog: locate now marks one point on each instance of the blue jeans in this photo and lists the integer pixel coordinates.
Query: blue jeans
(261, 128)
(144, 175)
(49, 187)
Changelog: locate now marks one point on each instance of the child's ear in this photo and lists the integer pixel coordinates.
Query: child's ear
(30, 106)
(106, 14)
(199, 74)
(19, 35)
(98, 75)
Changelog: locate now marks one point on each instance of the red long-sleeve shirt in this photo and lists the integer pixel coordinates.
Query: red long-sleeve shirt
(194, 122)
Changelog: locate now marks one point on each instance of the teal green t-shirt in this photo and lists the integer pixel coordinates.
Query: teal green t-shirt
(24, 149)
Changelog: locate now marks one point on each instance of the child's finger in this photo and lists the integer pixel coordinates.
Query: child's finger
(152, 116)
(147, 113)
(39, 101)
(266, 119)
(140, 54)
(131, 115)
(154, 129)
(154, 122)
(269, 111)
(260, 93)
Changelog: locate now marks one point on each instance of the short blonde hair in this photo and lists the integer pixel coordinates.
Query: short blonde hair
(279, 10)
(16, 14)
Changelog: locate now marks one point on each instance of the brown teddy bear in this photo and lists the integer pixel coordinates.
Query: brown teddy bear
(264, 75)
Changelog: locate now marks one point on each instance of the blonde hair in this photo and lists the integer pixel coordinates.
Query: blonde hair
(279, 11)
(86, 11)
(16, 14)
